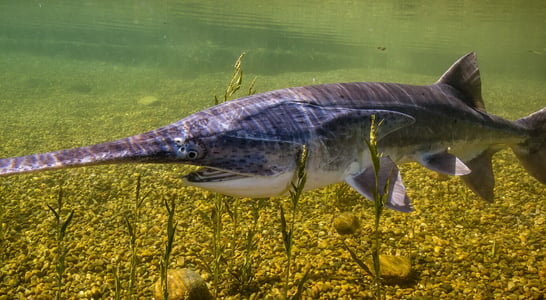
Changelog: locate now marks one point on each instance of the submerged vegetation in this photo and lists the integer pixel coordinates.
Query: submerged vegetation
(287, 229)
(164, 262)
(61, 227)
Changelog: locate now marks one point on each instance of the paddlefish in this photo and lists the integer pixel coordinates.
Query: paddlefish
(249, 147)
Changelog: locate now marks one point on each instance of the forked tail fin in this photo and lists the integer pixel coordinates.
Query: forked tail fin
(532, 152)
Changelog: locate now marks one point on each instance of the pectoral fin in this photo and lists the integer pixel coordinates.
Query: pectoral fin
(364, 183)
(445, 163)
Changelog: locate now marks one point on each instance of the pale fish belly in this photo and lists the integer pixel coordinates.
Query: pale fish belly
(252, 186)
(323, 178)
(269, 186)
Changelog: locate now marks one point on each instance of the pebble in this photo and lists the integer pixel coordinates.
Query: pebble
(393, 269)
(346, 223)
(183, 284)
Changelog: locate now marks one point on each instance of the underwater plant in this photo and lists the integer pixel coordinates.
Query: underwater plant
(379, 204)
(214, 221)
(243, 272)
(221, 204)
(132, 230)
(288, 233)
(236, 81)
(217, 246)
(60, 228)
(233, 248)
(117, 283)
(171, 229)
(131, 221)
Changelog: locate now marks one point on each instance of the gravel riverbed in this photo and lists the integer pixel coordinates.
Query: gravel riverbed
(460, 246)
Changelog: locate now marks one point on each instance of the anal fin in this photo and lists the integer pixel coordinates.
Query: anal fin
(481, 180)
(364, 183)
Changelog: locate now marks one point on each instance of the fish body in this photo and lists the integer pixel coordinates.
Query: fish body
(250, 146)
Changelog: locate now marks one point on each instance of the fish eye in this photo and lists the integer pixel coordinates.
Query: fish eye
(190, 149)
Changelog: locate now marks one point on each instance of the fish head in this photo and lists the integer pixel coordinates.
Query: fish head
(189, 150)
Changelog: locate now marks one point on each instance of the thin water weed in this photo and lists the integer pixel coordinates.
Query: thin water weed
(217, 245)
(379, 205)
(236, 81)
(222, 204)
(171, 229)
(60, 228)
(132, 223)
(132, 230)
(117, 283)
(287, 230)
(242, 268)
(379, 200)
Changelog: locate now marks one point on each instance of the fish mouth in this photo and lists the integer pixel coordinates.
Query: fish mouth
(212, 175)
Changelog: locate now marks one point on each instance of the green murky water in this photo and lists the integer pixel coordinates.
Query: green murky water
(76, 73)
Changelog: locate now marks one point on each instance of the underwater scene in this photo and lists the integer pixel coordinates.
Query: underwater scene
(78, 73)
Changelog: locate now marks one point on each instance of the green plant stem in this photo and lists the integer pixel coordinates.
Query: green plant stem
(171, 229)
(216, 242)
(379, 204)
(220, 203)
(288, 235)
(117, 283)
(133, 260)
(250, 245)
(133, 229)
(61, 228)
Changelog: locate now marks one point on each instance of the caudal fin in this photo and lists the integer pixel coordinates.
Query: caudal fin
(532, 152)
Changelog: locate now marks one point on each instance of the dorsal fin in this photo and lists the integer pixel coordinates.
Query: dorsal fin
(464, 75)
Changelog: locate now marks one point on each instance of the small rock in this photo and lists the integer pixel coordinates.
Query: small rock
(347, 223)
(183, 284)
(393, 269)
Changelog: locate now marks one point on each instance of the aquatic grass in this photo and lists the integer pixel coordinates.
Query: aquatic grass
(247, 269)
(222, 204)
(61, 229)
(379, 204)
(213, 220)
(229, 241)
(217, 246)
(287, 230)
(171, 229)
(132, 230)
(132, 223)
(243, 271)
(236, 81)
(117, 283)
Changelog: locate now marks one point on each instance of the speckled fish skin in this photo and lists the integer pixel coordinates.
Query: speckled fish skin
(249, 146)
